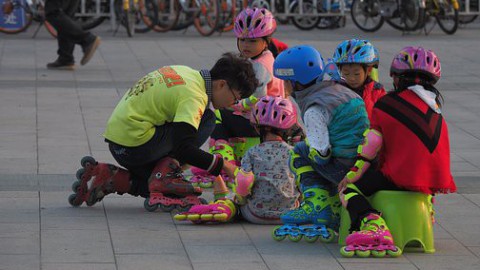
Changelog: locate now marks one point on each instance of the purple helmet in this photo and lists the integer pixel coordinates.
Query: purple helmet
(254, 23)
(417, 59)
(274, 112)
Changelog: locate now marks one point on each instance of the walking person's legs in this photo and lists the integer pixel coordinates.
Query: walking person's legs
(69, 33)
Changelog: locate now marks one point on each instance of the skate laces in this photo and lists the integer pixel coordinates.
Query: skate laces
(374, 223)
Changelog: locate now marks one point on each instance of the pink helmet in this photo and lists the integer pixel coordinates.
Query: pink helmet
(274, 112)
(254, 23)
(417, 59)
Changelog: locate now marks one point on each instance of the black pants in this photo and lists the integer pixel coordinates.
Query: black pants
(358, 207)
(141, 160)
(59, 13)
(233, 126)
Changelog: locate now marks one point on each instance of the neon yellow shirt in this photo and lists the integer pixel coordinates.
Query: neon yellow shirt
(169, 94)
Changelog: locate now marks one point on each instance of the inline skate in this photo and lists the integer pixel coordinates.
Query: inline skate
(310, 221)
(96, 180)
(374, 238)
(169, 189)
(218, 211)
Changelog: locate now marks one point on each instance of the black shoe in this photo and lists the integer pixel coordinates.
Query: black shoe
(60, 65)
(89, 50)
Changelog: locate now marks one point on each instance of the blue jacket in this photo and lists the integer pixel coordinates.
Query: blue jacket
(349, 118)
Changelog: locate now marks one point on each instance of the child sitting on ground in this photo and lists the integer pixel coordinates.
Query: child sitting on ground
(264, 186)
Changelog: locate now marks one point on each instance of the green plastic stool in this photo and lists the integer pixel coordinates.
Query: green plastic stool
(408, 216)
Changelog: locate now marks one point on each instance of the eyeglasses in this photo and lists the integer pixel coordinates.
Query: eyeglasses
(237, 100)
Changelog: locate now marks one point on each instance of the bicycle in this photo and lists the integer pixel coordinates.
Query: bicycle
(445, 13)
(17, 15)
(404, 15)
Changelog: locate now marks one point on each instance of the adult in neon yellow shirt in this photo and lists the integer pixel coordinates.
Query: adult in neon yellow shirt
(161, 122)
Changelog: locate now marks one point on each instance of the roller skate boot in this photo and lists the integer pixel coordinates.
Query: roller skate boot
(336, 206)
(169, 189)
(310, 220)
(96, 180)
(201, 178)
(225, 150)
(218, 211)
(242, 144)
(374, 238)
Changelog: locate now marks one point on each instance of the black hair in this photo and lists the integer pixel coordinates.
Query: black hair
(237, 71)
(406, 80)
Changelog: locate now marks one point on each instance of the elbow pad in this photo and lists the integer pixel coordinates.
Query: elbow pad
(372, 143)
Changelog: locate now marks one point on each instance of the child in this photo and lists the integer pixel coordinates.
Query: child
(233, 134)
(410, 136)
(264, 166)
(334, 119)
(356, 59)
(165, 115)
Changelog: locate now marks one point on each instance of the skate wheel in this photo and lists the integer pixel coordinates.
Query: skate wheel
(311, 239)
(86, 160)
(180, 217)
(275, 234)
(80, 173)
(295, 238)
(329, 238)
(346, 253)
(166, 208)
(75, 186)
(148, 207)
(71, 200)
(205, 185)
(193, 217)
(379, 253)
(394, 253)
(362, 253)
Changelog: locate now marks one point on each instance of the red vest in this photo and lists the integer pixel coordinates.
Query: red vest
(416, 149)
(372, 92)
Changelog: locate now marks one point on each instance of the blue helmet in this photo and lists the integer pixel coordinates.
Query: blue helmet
(302, 64)
(356, 51)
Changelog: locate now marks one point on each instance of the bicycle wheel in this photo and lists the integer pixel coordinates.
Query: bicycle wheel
(125, 17)
(409, 17)
(15, 17)
(207, 17)
(366, 15)
(229, 10)
(307, 22)
(447, 16)
(168, 14)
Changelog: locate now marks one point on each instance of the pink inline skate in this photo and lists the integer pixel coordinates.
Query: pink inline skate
(374, 239)
(169, 189)
(218, 211)
(205, 180)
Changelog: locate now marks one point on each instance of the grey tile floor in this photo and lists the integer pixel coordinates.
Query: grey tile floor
(50, 119)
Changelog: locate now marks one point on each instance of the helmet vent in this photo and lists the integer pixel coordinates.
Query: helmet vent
(310, 64)
(348, 47)
(274, 115)
(249, 20)
(257, 23)
(415, 57)
(428, 59)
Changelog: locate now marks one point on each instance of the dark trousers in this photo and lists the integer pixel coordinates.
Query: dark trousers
(358, 207)
(59, 13)
(233, 126)
(141, 160)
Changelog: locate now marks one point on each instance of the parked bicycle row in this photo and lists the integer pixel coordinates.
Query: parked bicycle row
(210, 16)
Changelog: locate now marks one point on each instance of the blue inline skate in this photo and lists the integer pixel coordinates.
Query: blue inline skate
(312, 220)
